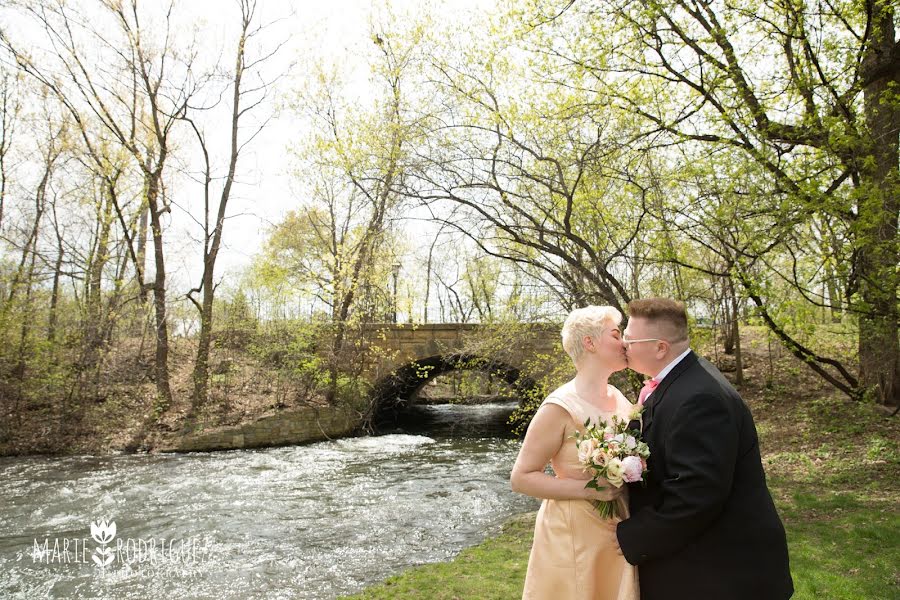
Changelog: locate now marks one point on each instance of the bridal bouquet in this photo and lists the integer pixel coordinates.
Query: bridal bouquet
(614, 453)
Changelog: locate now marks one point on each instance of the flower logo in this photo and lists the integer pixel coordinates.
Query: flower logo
(103, 532)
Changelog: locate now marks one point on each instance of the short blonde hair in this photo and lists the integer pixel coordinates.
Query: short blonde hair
(588, 321)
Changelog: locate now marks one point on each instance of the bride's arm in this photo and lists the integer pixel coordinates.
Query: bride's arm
(545, 436)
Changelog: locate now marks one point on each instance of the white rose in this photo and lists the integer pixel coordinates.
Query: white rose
(630, 443)
(614, 472)
(586, 449)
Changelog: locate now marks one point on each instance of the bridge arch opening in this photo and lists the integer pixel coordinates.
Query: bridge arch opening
(395, 405)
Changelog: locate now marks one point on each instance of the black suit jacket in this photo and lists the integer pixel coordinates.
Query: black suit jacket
(704, 524)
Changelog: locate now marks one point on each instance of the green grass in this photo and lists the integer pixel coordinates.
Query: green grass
(493, 570)
(842, 547)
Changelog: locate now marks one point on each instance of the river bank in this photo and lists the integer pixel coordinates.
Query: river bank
(251, 405)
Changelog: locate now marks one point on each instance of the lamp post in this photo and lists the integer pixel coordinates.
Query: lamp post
(395, 268)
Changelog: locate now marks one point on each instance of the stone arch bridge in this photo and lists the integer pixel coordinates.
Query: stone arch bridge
(402, 358)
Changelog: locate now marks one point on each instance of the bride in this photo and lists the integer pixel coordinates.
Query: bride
(574, 554)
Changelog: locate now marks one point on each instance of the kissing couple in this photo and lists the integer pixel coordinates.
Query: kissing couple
(702, 524)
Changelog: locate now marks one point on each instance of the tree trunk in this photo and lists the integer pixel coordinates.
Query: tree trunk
(8, 111)
(115, 298)
(201, 362)
(163, 391)
(879, 349)
(142, 250)
(30, 247)
(93, 327)
(211, 247)
(729, 325)
(736, 335)
(428, 277)
(54, 292)
(22, 362)
(834, 295)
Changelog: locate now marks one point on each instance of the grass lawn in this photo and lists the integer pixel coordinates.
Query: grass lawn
(833, 469)
(841, 548)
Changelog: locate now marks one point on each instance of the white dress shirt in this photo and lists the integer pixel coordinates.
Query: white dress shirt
(668, 368)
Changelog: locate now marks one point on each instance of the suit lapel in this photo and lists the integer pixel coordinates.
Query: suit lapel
(659, 393)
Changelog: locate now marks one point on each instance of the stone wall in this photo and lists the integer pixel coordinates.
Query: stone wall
(288, 427)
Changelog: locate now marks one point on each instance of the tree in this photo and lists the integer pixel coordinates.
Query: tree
(354, 162)
(531, 175)
(10, 107)
(244, 98)
(755, 248)
(24, 356)
(802, 90)
(137, 88)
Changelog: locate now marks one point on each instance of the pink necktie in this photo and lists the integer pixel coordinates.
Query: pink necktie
(648, 388)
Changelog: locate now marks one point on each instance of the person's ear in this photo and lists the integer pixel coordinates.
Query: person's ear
(662, 348)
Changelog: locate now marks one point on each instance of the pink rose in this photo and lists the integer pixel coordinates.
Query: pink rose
(633, 469)
(600, 457)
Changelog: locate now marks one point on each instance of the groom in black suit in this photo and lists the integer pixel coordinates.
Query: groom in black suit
(704, 525)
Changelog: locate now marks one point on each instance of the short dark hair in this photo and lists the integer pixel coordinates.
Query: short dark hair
(662, 311)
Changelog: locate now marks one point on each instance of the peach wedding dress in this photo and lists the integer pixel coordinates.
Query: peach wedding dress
(573, 556)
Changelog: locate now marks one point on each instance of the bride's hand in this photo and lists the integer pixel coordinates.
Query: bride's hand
(607, 494)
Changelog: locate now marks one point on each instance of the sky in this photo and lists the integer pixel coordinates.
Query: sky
(333, 31)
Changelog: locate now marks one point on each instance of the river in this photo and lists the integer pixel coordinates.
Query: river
(313, 521)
